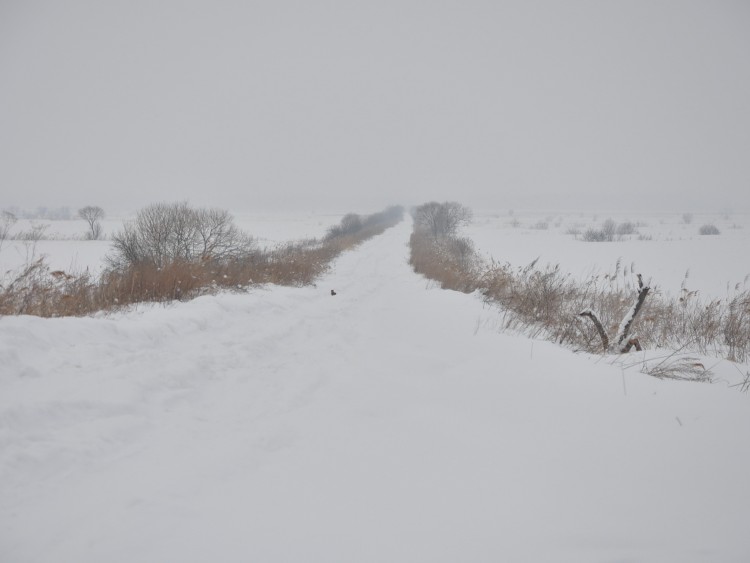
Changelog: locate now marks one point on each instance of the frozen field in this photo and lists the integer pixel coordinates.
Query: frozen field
(387, 423)
(665, 248)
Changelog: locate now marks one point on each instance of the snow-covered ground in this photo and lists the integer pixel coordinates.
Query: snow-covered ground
(388, 423)
(665, 250)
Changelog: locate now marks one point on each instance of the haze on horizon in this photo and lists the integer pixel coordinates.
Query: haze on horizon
(353, 106)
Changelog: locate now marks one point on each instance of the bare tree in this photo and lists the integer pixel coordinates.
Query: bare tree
(7, 220)
(217, 236)
(442, 219)
(92, 214)
(163, 233)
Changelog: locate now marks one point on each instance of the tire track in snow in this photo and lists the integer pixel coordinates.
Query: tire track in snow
(204, 361)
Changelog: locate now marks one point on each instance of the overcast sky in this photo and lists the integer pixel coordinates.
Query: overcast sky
(355, 105)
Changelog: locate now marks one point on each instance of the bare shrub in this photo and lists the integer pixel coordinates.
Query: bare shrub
(610, 231)
(7, 220)
(349, 224)
(606, 233)
(442, 219)
(92, 215)
(609, 227)
(709, 229)
(166, 232)
(595, 235)
(540, 226)
(687, 218)
(626, 228)
(36, 233)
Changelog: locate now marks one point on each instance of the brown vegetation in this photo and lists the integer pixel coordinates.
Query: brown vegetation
(545, 302)
(161, 274)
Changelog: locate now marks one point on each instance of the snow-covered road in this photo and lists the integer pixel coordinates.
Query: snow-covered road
(386, 423)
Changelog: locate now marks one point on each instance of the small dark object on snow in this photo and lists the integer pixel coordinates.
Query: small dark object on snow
(333, 292)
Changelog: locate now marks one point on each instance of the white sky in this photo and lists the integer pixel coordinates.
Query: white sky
(355, 105)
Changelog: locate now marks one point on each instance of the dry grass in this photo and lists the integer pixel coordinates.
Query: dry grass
(35, 290)
(686, 368)
(545, 302)
(449, 261)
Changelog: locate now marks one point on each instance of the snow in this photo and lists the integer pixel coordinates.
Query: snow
(669, 253)
(73, 256)
(390, 422)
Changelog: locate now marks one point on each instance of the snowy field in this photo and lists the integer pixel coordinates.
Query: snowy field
(388, 423)
(665, 249)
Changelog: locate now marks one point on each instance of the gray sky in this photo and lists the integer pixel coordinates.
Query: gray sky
(355, 105)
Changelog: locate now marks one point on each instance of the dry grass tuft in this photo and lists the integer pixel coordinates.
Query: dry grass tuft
(675, 366)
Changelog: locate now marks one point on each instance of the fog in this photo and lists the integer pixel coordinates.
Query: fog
(356, 105)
